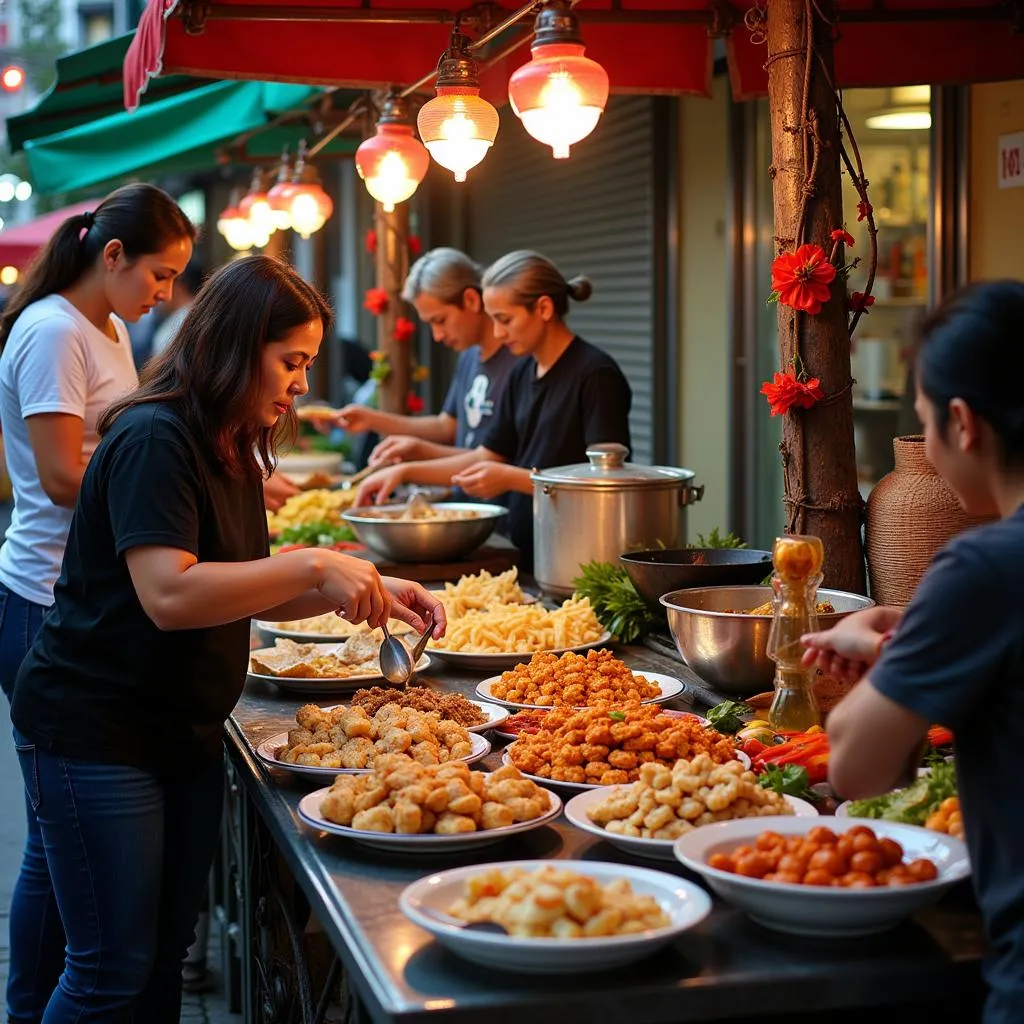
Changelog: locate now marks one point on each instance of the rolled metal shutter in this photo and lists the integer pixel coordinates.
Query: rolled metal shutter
(592, 214)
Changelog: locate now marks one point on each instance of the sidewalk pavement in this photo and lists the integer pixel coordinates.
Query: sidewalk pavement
(205, 1008)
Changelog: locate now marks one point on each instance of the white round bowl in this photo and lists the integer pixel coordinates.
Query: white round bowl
(309, 462)
(817, 910)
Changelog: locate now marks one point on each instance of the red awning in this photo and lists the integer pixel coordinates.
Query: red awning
(648, 46)
(19, 244)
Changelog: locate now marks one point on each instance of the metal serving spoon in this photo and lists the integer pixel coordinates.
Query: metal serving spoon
(396, 664)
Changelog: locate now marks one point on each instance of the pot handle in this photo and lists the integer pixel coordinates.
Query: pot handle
(691, 493)
(549, 490)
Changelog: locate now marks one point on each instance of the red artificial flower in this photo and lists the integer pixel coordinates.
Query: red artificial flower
(414, 404)
(376, 355)
(371, 241)
(404, 329)
(864, 210)
(802, 278)
(415, 246)
(859, 302)
(376, 301)
(785, 391)
(839, 235)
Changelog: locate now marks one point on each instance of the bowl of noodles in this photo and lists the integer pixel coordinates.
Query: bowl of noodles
(721, 633)
(424, 532)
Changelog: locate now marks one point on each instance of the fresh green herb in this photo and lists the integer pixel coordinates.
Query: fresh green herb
(788, 779)
(618, 716)
(728, 716)
(911, 805)
(716, 540)
(317, 534)
(617, 605)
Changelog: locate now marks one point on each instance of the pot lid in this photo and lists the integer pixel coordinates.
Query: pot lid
(607, 467)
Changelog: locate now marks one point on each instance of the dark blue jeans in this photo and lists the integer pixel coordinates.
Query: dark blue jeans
(129, 854)
(37, 935)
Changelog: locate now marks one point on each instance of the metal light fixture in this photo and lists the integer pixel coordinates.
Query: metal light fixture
(457, 126)
(393, 162)
(560, 94)
(309, 205)
(255, 207)
(909, 110)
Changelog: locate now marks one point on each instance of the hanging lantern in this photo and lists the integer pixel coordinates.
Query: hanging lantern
(235, 228)
(560, 94)
(279, 197)
(308, 204)
(393, 162)
(255, 207)
(457, 126)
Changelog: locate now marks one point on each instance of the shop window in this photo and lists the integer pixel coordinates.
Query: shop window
(96, 23)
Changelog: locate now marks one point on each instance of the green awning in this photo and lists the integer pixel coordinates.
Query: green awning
(89, 86)
(178, 133)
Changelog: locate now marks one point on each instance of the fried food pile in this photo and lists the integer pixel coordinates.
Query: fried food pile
(522, 629)
(822, 608)
(665, 803)
(332, 625)
(313, 506)
(607, 745)
(555, 903)
(404, 796)
(288, 659)
(450, 706)
(574, 680)
(479, 592)
(349, 738)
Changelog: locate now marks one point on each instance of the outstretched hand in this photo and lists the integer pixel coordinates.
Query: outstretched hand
(852, 646)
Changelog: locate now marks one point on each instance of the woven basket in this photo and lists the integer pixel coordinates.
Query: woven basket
(912, 513)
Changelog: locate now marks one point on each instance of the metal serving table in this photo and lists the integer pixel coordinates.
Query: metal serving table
(276, 871)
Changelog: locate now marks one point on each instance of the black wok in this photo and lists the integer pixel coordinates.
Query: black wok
(657, 571)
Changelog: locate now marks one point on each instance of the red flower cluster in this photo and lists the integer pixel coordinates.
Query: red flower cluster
(864, 210)
(859, 302)
(839, 235)
(785, 391)
(371, 241)
(802, 278)
(414, 404)
(415, 246)
(376, 301)
(404, 329)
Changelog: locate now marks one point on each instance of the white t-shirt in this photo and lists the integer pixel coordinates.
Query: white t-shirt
(54, 361)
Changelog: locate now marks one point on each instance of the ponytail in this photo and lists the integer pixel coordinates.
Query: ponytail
(530, 276)
(143, 218)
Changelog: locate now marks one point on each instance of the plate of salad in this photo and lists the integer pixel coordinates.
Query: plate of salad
(338, 537)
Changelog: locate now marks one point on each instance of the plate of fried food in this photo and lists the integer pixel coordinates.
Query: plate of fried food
(586, 748)
(559, 916)
(330, 626)
(346, 740)
(499, 636)
(533, 721)
(648, 816)
(313, 668)
(475, 715)
(576, 680)
(410, 807)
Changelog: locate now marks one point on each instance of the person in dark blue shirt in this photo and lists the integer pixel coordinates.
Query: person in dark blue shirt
(955, 656)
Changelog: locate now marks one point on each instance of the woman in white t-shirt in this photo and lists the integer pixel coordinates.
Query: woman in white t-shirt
(66, 356)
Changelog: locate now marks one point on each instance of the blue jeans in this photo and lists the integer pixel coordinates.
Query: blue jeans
(37, 935)
(129, 854)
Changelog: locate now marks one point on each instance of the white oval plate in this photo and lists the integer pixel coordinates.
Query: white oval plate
(671, 712)
(266, 750)
(330, 684)
(670, 687)
(425, 902)
(582, 787)
(823, 910)
(395, 626)
(309, 812)
(655, 849)
(500, 662)
(494, 712)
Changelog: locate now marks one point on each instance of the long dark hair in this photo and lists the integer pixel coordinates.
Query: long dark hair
(211, 371)
(972, 348)
(143, 218)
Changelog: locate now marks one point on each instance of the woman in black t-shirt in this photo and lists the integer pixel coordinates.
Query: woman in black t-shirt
(119, 705)
(564, 396)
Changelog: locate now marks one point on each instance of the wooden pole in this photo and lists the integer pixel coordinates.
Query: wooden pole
(818, 457)
(392, 267)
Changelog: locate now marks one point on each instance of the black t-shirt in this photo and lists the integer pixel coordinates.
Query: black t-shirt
(957, 659)
(102, 682)
(548, 421)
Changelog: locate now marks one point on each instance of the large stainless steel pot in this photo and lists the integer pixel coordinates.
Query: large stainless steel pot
(601, 508)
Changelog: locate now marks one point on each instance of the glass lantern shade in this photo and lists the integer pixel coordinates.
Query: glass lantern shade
(256, 208)
(559, 95)
(236, 229)
(309, 208)
(279, 198)
(458, 127)
(392, 164)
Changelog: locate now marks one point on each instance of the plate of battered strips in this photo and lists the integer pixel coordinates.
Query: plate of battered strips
(411, 807)
(347, 740)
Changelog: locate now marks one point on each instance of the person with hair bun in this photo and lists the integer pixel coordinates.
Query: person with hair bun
(119, 706)
(955, 655)
(563, 396)
(66, 357)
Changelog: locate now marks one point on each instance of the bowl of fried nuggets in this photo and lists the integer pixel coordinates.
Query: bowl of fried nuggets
(405, 805)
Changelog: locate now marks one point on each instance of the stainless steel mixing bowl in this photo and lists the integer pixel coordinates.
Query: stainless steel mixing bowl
(424, 540)
(728, 649)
